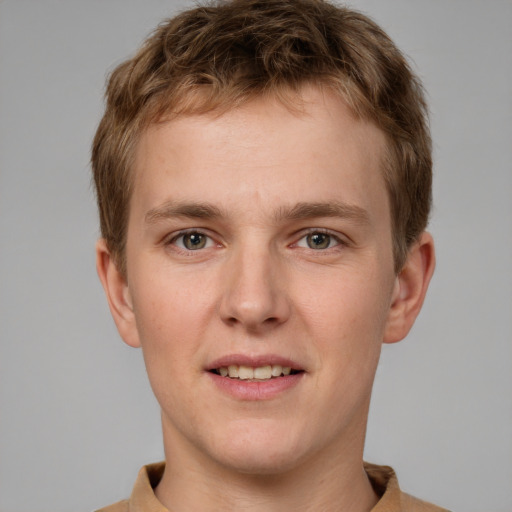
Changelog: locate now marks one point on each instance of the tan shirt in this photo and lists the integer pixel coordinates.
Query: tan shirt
(383, 479)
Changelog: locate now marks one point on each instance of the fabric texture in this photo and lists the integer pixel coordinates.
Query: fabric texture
(383, 480)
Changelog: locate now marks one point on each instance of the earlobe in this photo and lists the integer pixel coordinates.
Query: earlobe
(410, 289)
(118, 294)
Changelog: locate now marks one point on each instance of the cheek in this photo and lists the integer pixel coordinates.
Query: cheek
(348, 319)
(356, 298)
(168, 306)
(170, 319)
(167, 326)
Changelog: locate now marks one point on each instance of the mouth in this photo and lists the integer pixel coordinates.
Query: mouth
(255, 373)
(255, 377)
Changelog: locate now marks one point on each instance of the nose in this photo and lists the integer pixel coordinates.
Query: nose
(254, 290)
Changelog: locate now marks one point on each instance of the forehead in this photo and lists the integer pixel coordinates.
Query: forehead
(261, 150)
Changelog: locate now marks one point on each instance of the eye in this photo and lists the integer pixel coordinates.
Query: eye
(192, 241)
(318, 240)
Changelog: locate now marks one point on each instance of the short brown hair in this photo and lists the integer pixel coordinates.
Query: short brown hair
(217, 56)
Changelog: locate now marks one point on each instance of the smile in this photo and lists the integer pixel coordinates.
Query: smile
(255, 377)
(259, 373)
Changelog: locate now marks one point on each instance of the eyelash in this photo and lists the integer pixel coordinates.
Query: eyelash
(210, 242)
(333, 237)
(181, 234)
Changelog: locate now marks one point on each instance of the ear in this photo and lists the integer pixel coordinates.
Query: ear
(410, 289)
(118, 294)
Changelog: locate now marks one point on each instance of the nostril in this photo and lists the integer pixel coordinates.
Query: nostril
(253, 304)
(253, 324)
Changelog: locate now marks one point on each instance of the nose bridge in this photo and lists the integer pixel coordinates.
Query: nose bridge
(253, 295)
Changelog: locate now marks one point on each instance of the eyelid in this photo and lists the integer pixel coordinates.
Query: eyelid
(171, 239)
(341, 241)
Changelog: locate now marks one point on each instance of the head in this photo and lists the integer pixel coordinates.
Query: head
(218, 57)
(263, 177)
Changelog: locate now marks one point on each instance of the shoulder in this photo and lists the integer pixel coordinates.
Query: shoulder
(142, 496)
(392, 498)
(120, 506)
(414, 504)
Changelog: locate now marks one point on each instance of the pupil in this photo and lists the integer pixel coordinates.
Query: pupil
(319, 241)
(194, 241)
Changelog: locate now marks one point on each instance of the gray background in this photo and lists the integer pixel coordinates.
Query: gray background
(77, 417)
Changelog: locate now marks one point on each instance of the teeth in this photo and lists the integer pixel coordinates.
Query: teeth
(263, 372)
(277, 369)
(233, 371)
(245, 372)
(248, 373)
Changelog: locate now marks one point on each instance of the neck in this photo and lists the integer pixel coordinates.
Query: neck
(329, 482)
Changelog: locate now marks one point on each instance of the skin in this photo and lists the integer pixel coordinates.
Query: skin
(260, 287)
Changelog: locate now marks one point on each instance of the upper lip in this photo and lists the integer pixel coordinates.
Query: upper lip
(255, 361)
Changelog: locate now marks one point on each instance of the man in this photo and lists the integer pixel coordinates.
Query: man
(263, 175)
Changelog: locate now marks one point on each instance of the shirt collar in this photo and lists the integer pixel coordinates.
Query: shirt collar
(382, 478)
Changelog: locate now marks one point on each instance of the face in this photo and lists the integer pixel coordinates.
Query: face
(259, 246)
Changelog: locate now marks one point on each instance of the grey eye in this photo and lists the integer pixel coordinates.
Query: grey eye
(193, 241)
(318, 240)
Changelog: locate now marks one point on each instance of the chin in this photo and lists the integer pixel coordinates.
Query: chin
(260, 462)
(260, 452)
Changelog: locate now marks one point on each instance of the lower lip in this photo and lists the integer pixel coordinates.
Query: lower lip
(251, 390)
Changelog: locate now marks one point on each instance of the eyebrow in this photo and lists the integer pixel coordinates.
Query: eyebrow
(299, 211)
(340, 209)
(172, 209)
